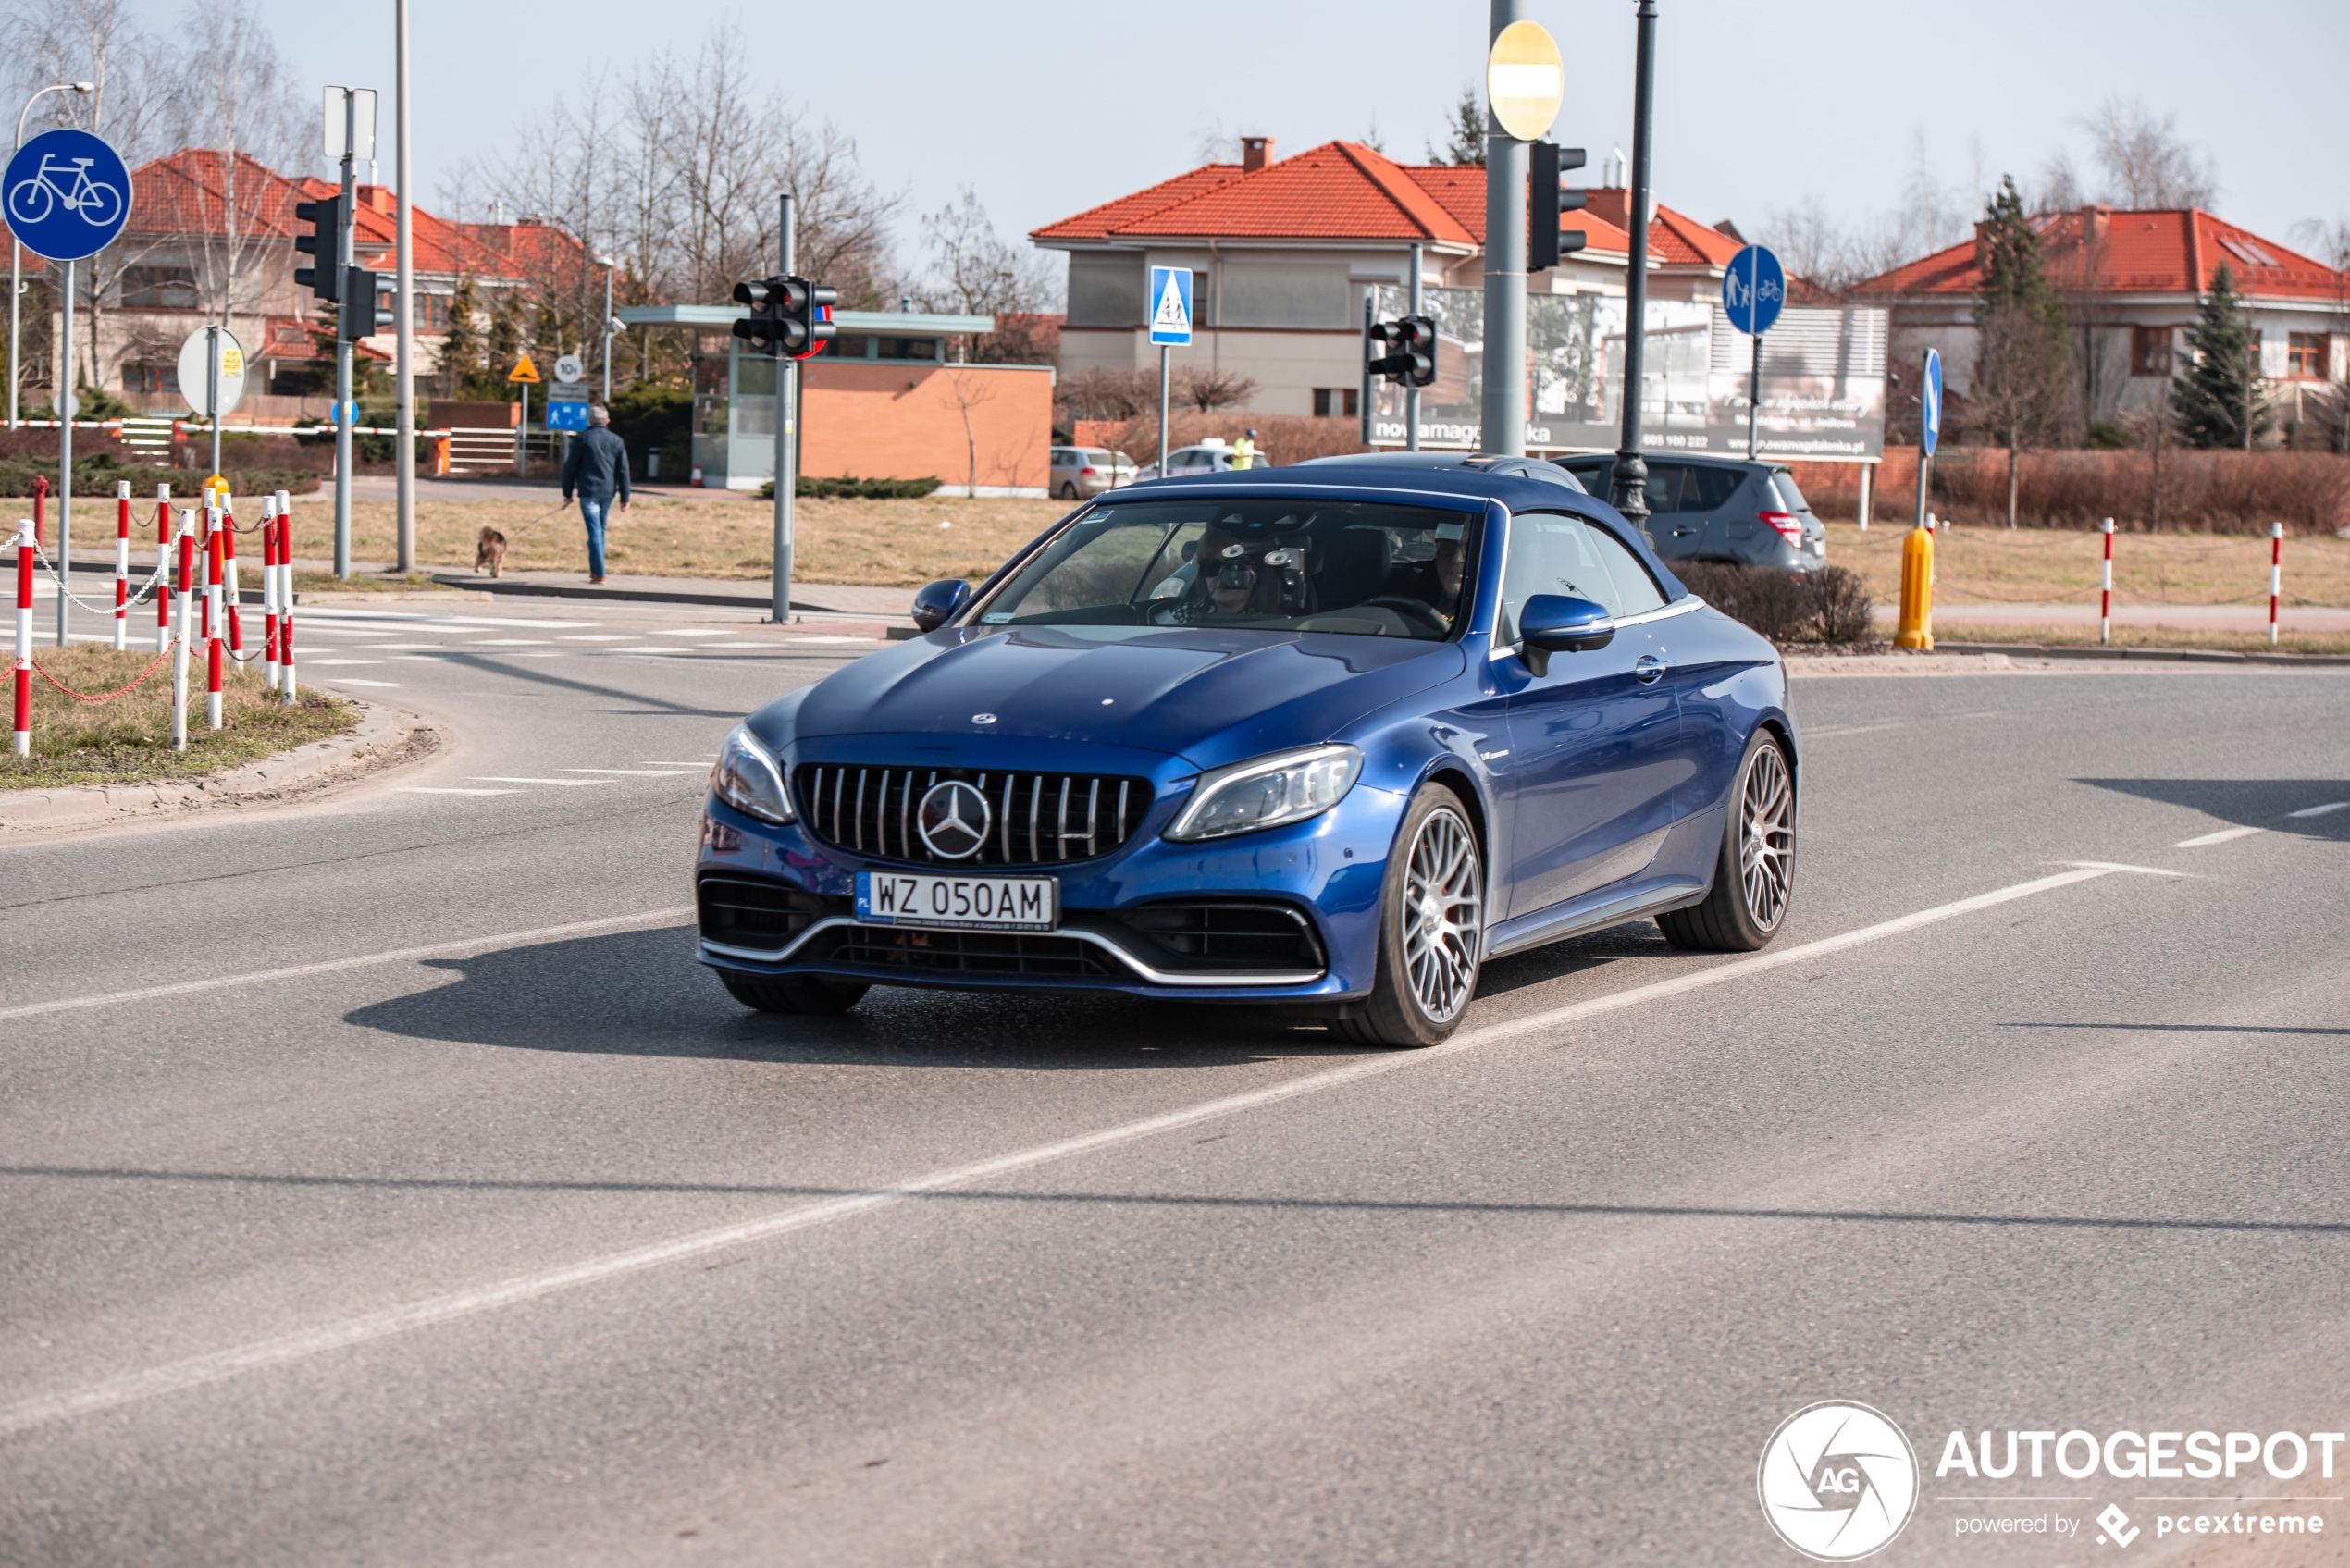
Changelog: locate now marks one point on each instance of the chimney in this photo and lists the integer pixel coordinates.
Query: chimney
(1255, 153)
(378, 197)
(2095, 222)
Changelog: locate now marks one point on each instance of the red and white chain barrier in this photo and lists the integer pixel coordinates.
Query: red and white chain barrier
(2105, 594)
(185, 540)
(2276, 576)
(24, 639)
(122, 565)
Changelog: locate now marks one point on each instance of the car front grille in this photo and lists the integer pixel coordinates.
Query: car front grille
(760, 916)
(947, 952)
(1034, 819)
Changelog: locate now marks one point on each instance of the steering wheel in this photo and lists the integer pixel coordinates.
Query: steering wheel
(1162, 612)
(1414, 609)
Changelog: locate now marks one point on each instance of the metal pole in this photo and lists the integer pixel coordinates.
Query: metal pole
(1503, 404)
(522, 436)
(1163, 352)
(211, 390)
(404, 305)
(344, 256)
(1753, 390)
(1370, 299)
(779, 590)
(609, 265)
(1631, 472)
(64, 402)
(1412, 393)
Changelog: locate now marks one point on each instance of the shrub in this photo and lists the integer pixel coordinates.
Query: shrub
(855, 489)
(96, 478)
(1843, 607)
(1831, 605)
(2224, 492)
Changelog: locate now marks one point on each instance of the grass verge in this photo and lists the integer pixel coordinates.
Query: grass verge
(1948, 631)
(129, 739)
(2064, 565)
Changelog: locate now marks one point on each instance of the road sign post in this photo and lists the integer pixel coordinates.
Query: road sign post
(787, 476)
(1929, 424)
(1753, 291)
(67, 195)
(347, 119)
(1170, 318)
(525, 376)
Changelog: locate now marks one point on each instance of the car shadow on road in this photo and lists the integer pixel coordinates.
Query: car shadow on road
(2251, 803)
(1634, 939)
(643, 994)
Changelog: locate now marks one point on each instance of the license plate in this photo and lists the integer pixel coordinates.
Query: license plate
(895, 898)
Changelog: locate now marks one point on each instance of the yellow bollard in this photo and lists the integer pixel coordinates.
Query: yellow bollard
(1917, 591)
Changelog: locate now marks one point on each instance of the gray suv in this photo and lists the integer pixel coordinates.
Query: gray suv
(1720, 508)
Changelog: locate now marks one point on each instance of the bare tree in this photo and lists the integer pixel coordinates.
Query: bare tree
(974, 272)
(970, 389)
(231, 100)
(2146, 162)
(1096, 393)
(1208, 391)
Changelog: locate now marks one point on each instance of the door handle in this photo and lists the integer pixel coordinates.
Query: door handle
(1646, 668)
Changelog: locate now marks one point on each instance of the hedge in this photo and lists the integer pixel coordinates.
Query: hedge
(859, 490)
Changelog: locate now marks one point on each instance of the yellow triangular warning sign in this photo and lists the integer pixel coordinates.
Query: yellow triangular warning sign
(524, 371)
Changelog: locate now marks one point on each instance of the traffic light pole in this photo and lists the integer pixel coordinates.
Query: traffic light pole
(1412, 392)
(1632, 473)
(787, 380)
(344, 258)
(1504, 404)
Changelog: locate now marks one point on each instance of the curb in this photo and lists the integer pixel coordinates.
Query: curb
(380, 732)
(638, 595)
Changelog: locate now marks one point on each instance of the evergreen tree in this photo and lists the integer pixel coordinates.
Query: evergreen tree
(463, 350)
(2220, 400)
(1465, 133)
(505, 347)
(2022, 351)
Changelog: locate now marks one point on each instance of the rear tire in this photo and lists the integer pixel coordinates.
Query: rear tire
(1754, 874)
(1431, 934)
(792, 994)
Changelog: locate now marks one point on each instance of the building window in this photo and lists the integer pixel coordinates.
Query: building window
(150, 377)
(1335, 402)
(906, 348)
(432, 313)
(2304, 353)
(2150, 350)
(159, 287)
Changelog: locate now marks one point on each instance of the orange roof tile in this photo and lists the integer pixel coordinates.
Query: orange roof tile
(1100, 223)
(2177, 251)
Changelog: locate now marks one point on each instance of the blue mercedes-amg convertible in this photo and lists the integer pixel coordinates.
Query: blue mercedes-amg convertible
(1327, 736)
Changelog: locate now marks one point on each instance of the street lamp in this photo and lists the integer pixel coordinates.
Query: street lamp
(16, 252)
(611, 326)
(1631, 476)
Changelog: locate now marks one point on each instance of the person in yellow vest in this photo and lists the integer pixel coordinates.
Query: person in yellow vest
(1244, 451)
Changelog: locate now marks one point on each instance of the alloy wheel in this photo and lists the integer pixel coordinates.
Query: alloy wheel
(1767, 837)
(1444, 915)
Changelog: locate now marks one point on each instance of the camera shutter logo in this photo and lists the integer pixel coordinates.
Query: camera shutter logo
(1838, 1481)
(953, 819)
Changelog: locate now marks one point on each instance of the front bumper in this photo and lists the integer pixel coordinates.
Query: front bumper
(1286, 914)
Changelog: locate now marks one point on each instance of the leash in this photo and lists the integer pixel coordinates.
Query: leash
(526, 527)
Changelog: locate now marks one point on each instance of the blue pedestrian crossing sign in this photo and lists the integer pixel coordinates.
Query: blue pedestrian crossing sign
(1170, 303)
(1930, 403)
(66, 194)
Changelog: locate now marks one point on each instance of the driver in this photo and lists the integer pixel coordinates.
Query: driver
(1435, 582)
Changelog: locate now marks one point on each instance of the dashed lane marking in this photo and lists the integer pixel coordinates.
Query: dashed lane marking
(563, 783)
(638, 773)
(429, 789)
(355, 681)
(2320, 810)
(2222, 837)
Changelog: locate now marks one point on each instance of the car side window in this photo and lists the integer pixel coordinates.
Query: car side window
(1710, 487)
(1667, 488)
(1636, 591)
(1550, 554)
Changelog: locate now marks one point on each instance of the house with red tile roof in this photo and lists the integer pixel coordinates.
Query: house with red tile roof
(210, 233)
(2133, 282)
(1286, 254)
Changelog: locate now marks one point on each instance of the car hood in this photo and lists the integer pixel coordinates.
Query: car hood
(1212, 696)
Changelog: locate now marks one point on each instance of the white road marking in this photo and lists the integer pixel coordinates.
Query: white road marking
(2222, 837)
(677, 773)
(598, 636)
(2320, 810)
(423, 789)
(506, 642)
(320, 663)
(331, 966)
(424, 1312)
(665, 763)
(414, 616)
(829, 640)
(703, 633)
(355, 681)
(565, 784)
(644, 650)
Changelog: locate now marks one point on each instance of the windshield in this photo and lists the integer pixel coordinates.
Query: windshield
(1277, 564)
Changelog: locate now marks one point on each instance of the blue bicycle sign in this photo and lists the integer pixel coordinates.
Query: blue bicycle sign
(66, 194)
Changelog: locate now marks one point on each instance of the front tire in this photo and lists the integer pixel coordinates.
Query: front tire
(1432, 936)
(1754, 875)
(803, 994)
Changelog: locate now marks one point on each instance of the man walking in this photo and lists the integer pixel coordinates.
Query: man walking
(597, 469)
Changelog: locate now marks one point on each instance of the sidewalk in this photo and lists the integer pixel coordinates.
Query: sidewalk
(815, 599)
(2185, 617)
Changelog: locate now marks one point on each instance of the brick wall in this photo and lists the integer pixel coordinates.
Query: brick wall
(881, 421)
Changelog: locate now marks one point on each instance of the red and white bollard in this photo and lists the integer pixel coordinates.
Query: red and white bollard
(287, 687)
(2105, 599)
(24, 638)
(2276, 576)
(211, 623)
(163, 567)
(228, 579)
(187, 550)
(269, 591)
(121, 564)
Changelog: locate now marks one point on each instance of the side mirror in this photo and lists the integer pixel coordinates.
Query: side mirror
(936, 603)
(1561, 624)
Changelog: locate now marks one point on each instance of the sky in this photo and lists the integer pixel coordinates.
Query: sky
(1048, 109)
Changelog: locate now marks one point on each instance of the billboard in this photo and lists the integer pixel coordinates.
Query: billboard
(1822, 378)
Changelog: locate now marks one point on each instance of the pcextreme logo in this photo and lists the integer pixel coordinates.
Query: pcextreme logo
(1838, 1481)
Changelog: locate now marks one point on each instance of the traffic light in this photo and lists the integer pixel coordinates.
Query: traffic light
(1545, 200)
(1410, 357)
(324, 218)
(789, 316)
(362, 312)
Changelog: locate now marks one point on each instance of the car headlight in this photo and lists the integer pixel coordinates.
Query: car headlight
(746, 778)
(1287, 787)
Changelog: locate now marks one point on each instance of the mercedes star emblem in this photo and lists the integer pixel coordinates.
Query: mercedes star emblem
(953, 819)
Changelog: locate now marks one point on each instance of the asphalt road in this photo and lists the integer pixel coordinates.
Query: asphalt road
(532, 1247)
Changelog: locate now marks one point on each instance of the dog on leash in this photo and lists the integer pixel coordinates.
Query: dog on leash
(490, 551)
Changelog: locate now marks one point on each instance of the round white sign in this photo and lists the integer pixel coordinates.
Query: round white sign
(1838, 1481)
(194, 381)
(568, 368)
(1524, 80)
